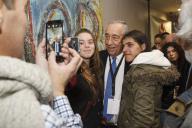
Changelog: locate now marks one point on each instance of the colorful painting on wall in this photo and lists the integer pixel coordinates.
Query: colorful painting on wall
(76, 14)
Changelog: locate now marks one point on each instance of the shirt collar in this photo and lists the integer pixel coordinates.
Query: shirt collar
(118, 58)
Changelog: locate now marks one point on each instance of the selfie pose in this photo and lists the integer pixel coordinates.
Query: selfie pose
(84, 90)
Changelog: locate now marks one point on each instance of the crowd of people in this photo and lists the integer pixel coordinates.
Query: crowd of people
(128, 85)
(169, 44)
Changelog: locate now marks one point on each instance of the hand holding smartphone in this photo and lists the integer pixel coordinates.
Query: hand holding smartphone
(55, 39)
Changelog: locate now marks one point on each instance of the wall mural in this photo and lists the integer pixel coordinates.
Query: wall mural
(76, 14)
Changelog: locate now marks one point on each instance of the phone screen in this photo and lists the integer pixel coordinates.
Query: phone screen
(74, 44)
(54, 38)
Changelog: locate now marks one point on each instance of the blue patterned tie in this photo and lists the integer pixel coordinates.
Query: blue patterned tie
(108, 91)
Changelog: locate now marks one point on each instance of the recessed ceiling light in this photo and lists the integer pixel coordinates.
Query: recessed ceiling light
(178, 9)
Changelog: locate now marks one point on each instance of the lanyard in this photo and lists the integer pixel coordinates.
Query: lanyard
(114, 74)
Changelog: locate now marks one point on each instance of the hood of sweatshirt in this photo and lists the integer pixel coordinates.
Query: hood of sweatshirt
(155, 57)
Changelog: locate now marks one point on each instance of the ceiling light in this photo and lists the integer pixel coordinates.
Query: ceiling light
(178, 9)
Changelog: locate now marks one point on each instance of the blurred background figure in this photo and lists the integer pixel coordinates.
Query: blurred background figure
(164, 37)
(185, 20)
(161, 39)
(185, 31)
(171, 38)
(157, 42)
(176, 56)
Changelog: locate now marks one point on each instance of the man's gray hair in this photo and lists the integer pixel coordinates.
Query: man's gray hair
(185, 20)
(125, 25)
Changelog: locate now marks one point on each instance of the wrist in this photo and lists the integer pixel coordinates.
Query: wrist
(58, 93)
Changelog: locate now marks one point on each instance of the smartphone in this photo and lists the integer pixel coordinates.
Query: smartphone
(74, 44)
(54, 38)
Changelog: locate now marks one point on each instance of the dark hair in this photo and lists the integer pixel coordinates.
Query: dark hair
(139, 37)
(164, 34)
(181, 55)
(158, 35)
(93, 73)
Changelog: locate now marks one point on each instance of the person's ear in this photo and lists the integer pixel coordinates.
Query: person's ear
(1, 21)
(1, 16)
(143, 47)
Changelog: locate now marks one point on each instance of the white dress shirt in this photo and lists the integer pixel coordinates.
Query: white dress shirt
(118, 80)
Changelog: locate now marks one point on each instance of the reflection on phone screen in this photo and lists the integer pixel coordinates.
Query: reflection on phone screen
(54, 37)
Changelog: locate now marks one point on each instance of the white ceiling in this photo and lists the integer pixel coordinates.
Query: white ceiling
(165, 5)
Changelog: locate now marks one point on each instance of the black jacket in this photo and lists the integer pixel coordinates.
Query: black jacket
(184, 76)
(80, 96)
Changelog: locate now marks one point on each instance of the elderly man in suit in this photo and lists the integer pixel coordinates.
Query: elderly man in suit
(114, 70)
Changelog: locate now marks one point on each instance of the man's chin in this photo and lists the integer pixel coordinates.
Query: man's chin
(111, 53)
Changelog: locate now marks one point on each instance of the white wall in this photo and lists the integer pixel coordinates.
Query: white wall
(134, 12)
